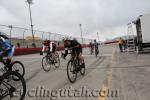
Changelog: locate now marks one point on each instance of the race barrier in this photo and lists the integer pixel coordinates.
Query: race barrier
(24, 51)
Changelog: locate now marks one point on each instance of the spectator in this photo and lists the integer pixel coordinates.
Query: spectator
(124, 45)
(120, 43)
(33, 45)
(18, 45)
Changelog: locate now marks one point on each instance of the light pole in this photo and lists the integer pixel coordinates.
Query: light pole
(42, 36)
(49, 35)
(30, 2)
(98, 36)
(24, 38)
(10, 26)
(80, 25)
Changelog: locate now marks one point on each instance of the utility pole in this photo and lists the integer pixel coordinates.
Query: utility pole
(10, 26)
(80, 25)
(42, 36)
(24, 38)
(49, 35)
(98, 36)
(30, 2)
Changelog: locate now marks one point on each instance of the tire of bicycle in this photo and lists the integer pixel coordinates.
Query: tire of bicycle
(96, 53)
(71, 64)
(82, 69)
(47, 62)
(13, 73)
(22, 67)
(58, 61)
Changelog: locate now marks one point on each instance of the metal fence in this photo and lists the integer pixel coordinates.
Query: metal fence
(22, 37)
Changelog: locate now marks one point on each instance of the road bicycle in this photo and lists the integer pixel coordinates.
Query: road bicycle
(74, 67)
(13, 66)
(51, 59)
(10, 88)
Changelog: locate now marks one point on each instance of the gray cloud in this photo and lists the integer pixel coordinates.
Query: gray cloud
(64, 16)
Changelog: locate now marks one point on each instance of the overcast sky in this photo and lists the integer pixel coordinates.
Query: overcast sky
(108, 17)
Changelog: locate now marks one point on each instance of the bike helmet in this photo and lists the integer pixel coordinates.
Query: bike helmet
(3, 36)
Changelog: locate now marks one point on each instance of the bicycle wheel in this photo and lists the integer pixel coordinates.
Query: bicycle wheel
(72, 71)
(11, 89)
(57, 60)
(82, 70)
(46, 64)
(96, 52)
(18, 67)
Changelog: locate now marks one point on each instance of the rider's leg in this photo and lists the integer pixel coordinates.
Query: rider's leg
(1, 58)
(53, 56)
(8, 62)
(81, 60)
(54, 53)
(9, 58)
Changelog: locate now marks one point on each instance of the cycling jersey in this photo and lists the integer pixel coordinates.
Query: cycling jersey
(96, 45)
(51, 46)
(6, 48)
(74, 46)
(5, 45)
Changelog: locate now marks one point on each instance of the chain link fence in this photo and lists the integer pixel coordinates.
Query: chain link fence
(22, 37)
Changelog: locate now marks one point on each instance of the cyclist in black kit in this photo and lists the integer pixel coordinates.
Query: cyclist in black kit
(96, 46)
(76, 48)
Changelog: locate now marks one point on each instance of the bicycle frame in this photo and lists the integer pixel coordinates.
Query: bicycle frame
(6, 87)
(6, 92)
(3, 61)
(75, 58)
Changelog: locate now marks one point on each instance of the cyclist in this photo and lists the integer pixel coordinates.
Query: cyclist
(91, 47)
(96, 47)
(75, 47)
(6, 50)
(50, 46)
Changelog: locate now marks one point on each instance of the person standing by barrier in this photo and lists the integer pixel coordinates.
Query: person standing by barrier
(120, 43)
(124, 45)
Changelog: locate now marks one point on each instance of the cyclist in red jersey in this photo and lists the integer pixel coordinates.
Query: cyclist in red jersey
(48, 46)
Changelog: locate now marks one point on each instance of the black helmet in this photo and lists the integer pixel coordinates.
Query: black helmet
(3, 35)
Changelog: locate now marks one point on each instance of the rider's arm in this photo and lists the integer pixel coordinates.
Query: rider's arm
(51, 46)
(43, 49)
(66, 52)
(77, 46)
